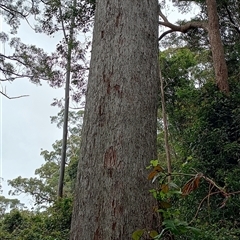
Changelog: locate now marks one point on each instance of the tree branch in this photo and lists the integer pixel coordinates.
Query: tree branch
(182, 28)
(5, 95)
(231, 19)
(12, 11)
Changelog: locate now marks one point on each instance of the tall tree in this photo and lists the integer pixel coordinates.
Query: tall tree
(70, 43)
(211, 25)
(119, 129)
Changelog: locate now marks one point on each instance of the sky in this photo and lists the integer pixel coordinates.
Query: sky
(25, 126)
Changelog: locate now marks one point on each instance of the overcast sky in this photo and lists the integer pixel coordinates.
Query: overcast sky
(25, 126)
(25, 122)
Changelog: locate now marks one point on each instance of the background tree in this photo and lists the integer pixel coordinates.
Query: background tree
(211, 25)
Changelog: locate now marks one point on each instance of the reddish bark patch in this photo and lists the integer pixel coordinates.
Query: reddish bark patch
(118, 18)
(110, 158)
(107, 80)
(117, 88)
(114, 226)
(98, 235)
(117, 209)
(108, 88)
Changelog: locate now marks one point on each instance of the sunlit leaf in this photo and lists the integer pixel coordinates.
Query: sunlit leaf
(155, 171)
(154, 163)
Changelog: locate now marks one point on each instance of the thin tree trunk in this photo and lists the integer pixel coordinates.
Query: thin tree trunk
(120, 122)
(165, 126)
(219, 63)
(66, 105)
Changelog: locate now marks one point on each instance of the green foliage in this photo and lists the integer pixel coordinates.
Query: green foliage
(34, 63)
(204, 136)
(7, 204)
(52, 224)
(50, 219)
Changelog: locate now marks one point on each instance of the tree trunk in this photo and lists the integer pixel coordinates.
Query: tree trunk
(120, 122)
(66, 105)
(219, 63)
(165, 126)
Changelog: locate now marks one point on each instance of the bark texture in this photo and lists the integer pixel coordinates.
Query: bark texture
(219, 62)
(119, 131)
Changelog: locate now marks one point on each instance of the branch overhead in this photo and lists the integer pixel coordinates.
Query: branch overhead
(182, 28)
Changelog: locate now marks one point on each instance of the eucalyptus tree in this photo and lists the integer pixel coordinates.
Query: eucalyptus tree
(70, 17)
(120, 119)
(30, 61)
(211, 25)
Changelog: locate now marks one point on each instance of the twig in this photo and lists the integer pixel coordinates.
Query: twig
(5, 95)
(200, 204)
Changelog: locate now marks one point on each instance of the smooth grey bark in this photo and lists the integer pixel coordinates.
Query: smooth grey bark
(66, 105)
(112, 196)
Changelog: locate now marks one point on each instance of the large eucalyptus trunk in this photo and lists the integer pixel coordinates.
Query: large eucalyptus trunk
(119, 132)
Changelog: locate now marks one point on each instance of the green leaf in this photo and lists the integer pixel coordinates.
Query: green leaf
(154, 163)
(137, 234)
(153, 234)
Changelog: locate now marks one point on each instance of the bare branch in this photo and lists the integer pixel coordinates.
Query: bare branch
(164, 34)
(182, 28)
(162, 15)
(5, 95)
(12, 11)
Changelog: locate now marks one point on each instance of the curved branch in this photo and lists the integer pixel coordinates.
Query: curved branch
(182, 28)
